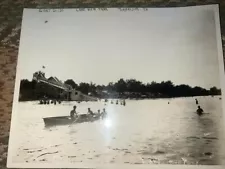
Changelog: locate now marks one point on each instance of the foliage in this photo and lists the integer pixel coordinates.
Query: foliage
(129, 88)
(71, 83)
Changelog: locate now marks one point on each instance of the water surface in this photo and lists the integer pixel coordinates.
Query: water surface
(161, 131)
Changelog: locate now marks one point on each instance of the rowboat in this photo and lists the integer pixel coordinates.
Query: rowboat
(64, 120)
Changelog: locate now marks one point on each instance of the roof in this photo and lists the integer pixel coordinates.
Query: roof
(52, 84)
(53, 81)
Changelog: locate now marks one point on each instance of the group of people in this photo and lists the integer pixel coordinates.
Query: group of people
(199, 110)
(74, 114)
(50, 102)
(122, 102)
(46, 100)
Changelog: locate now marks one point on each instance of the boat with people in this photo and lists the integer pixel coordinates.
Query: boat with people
(65, 120)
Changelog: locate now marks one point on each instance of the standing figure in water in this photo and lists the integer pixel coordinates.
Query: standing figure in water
(196, 101)
(124, 102)
(199, 111)
(73, 112)
(104, 114)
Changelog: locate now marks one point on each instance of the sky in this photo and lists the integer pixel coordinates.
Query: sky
(104, 46)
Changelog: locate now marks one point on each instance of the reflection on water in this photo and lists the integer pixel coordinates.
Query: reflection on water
(142, 132)
(108, 122)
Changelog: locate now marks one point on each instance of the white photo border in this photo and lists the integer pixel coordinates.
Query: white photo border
(13, 138)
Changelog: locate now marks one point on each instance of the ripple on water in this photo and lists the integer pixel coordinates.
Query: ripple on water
(210, 138)
(159, 152)
(207, 153)
(193, 137)
(72, 156)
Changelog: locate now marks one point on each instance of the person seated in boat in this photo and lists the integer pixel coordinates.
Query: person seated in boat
(73, 112)
(99, 112)
(90, 111)
(199, 111)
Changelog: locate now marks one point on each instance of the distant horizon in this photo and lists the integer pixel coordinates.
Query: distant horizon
(125, 80)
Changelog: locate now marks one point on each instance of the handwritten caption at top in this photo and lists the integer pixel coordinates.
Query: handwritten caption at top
(95, 9)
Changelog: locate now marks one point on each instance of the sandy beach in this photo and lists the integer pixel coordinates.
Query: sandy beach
(161, 131)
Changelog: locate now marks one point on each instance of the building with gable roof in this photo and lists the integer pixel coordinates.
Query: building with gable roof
(53, 88)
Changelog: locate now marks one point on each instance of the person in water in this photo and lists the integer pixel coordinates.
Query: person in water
(124, 102)
(90, 112)
(73, 112)
(99, 112)
(199, 111)
(104, 114)
(196, 101)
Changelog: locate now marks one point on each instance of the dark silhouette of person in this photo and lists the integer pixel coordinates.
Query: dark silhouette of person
(99, 112)
(73, 112)
(199, 111)
(124, 102)
(196, 101)
(90, 111)
(104, 114)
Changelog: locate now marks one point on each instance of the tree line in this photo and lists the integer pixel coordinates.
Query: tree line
(130, 88)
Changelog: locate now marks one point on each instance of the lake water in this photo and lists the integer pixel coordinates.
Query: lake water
(142, 132)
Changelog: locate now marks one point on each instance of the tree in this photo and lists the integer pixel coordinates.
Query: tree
(214, 91)
(27, 89)
(92, 89)
(71, 83)
(84, 88)
(110, 87)
(31, 90)
(166, 88)
(134, 85)
(121, 86)
(182, 90)
(197, 91)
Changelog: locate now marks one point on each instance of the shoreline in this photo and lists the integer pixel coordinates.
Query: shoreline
(121, 98)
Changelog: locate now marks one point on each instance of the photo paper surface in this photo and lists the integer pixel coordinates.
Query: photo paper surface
(119, 87)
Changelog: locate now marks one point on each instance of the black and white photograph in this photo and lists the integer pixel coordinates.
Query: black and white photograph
(134, 87)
